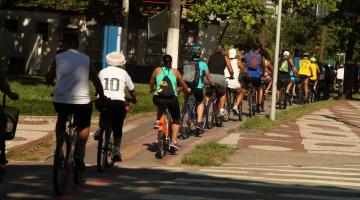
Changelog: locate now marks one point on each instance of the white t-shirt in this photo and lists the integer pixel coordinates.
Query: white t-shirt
(72, 78)
(114, 81)
(340, 73)
(235, 68)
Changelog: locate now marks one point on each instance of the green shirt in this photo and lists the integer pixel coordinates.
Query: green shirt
(165, 72)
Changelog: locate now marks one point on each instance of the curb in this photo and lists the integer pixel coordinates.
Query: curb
(25, 146)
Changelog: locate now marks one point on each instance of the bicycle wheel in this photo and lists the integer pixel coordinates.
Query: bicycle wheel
(210, 118)
(110, 149)
(218, 118)
(250, 102)
(161, 146)
(185, 124)
(62, 166)
(101, 151)
(227, 106)
(240, 111)
(253, 103)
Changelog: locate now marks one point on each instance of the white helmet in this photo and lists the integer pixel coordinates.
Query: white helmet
(232, 53)
(115, 59)
(286, 54)
(313, 59)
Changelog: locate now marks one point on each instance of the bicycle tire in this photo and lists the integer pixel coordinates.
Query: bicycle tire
(240, 111)
(62, 167)
(185, 125)
(101, 151)
(250, 99)
(161, 146)
(253, 95)
(228, 106)
(210, 119)
(110, 150)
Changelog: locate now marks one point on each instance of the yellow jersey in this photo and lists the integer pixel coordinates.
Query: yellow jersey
(304, 67)
(313, 68)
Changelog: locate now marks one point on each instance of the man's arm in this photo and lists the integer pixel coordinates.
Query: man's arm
(243, 68)
(228, 66)
(96, 82)
(51, 75)
(209, 78)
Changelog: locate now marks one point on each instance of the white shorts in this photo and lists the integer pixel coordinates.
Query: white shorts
(233, 83)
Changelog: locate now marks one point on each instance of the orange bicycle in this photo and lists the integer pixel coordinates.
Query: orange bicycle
(164, 134)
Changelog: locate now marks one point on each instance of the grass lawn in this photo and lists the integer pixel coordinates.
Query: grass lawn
(210, 153)
(35, 97)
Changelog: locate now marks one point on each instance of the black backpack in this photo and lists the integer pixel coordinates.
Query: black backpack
(165, 89)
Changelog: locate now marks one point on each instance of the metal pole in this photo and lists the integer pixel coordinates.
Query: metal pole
(276, 63)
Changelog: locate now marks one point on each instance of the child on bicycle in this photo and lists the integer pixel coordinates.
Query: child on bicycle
(115, 80)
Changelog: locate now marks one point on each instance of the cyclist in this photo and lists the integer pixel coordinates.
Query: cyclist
(315, 71)
(163, 86)
(286, 65)
(114, 80)
(72, 71)
(294, 80)
(266, 76)
(305, 73)
(217, 63)
(5, 88)
(255, 66)
(233, 83)
(197, 89)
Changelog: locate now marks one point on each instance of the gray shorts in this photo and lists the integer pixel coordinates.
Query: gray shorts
(219, 81)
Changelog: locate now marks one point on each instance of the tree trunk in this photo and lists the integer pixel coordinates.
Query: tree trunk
(172, 45)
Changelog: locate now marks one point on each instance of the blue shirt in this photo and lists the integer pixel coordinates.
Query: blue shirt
(254, 73)
(203, 68)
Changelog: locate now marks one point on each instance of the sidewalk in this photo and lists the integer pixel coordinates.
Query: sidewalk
(325, 137)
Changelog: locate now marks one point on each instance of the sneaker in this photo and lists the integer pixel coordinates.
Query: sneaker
(117, 155)
(156, 124)
(223, 112)
(199, 127)
(97, 134)
(174, 145)
(236, 110)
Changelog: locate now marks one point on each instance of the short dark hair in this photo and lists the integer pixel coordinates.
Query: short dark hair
(71, 39)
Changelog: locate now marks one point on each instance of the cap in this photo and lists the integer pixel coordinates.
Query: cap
(313, 59)
(286, 54)
(305, 55)
(232, 53)
(115, 59)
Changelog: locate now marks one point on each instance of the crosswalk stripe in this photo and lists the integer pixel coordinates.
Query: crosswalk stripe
(267, 185)
(317, 197)
(177, 197)
(289, 180)
(315, 176)
(235, 169)
(207, 189)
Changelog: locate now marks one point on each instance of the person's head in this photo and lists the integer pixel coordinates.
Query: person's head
(305, 55)
(219, 49)
(232, 53)
(70, 40)
(313, 59)
(341, 66)
(257, 47)
(167, 61)
(286, 54)
(195, 51)
(115, 59)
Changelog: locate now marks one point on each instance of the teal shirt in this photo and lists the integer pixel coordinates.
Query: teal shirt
(165, 72)
(203, 68)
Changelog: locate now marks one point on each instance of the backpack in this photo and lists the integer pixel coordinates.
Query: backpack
(191, 74)
(165, 89)
(254, 60)
(285, 66)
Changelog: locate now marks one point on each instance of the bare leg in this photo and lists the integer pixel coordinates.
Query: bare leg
(82, 139)
(240, 96)
(175, 131)
(200, 112)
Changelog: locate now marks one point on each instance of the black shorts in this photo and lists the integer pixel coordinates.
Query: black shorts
(256, 82)
(116, 113)
(172, 104)
(283, 80)
(82, 113)
(199, 95)
(303, 77)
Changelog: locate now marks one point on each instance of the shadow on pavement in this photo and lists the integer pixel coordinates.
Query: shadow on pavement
(34, 182)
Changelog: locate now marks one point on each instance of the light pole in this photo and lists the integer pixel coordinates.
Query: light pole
(276, 62)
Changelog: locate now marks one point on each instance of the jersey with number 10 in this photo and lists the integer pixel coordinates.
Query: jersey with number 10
(114, 81)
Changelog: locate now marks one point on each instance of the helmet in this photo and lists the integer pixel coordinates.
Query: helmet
(115, 59)
(313, 59)
(196, 51)
(232, 53)
(305, 54)
(286, 54)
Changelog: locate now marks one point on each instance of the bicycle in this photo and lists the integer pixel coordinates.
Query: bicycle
(189, 118)
(251, 96)
(283, 98)
(231, 95)
(105, 148)
(212, 112)
(164, 134)
(312, 91)
(9, 118)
